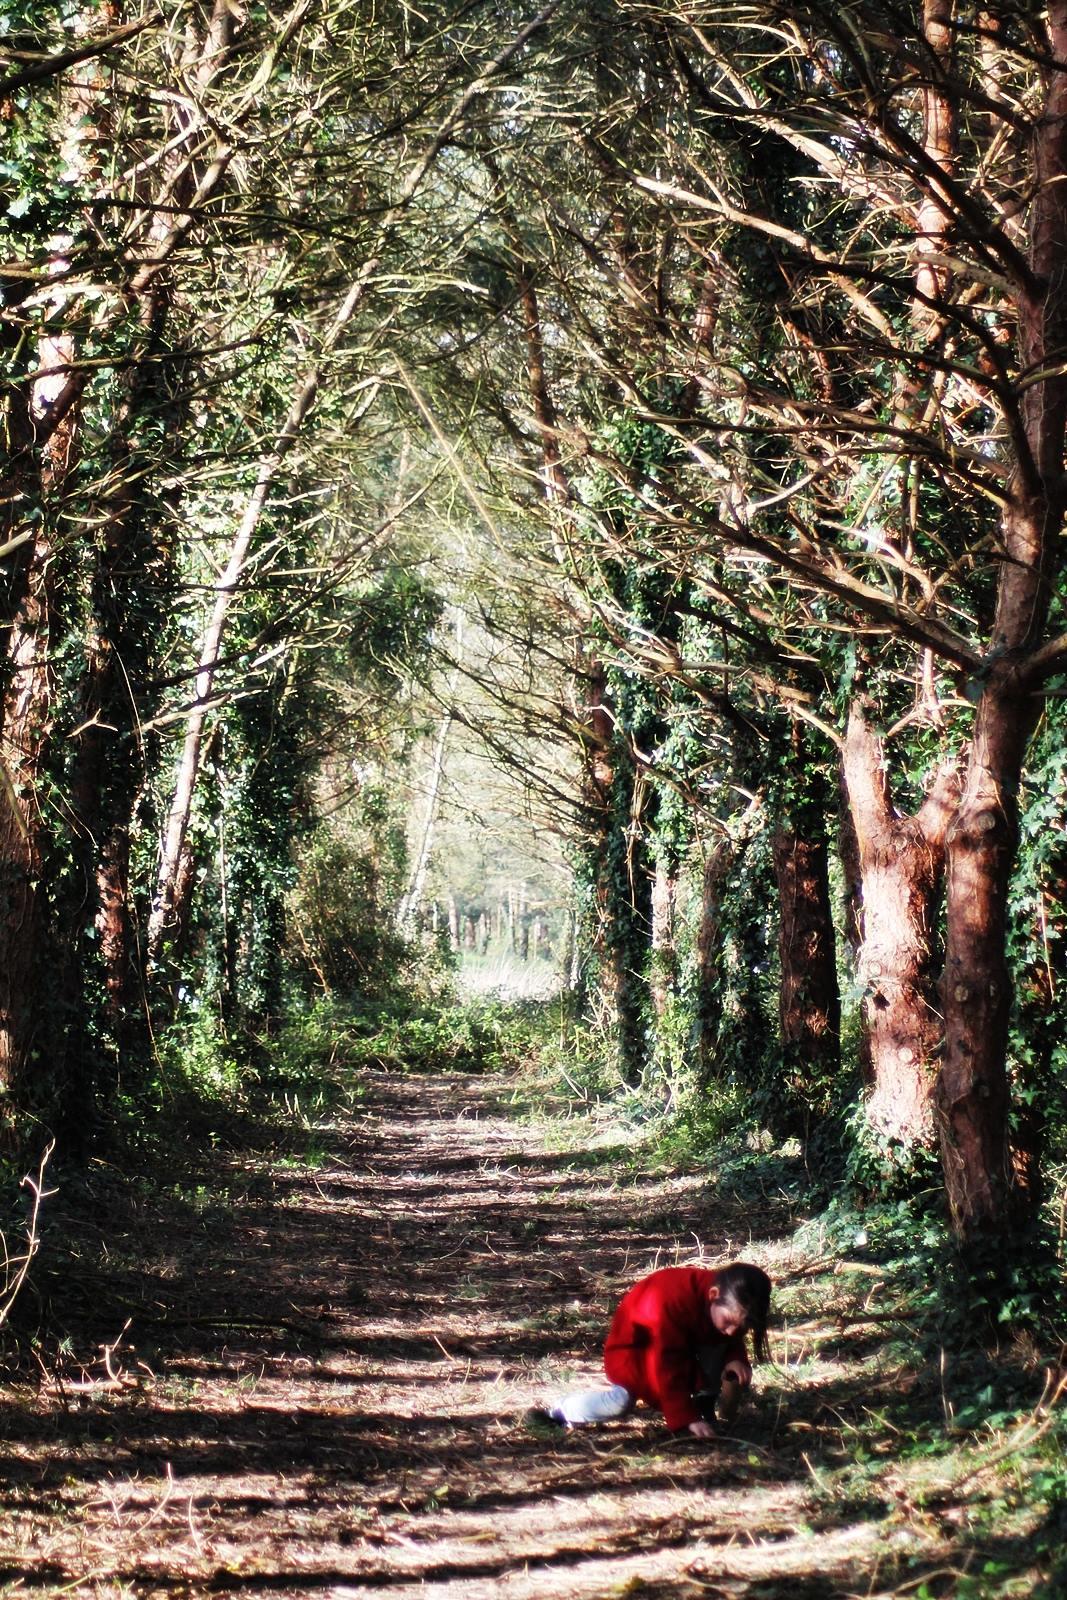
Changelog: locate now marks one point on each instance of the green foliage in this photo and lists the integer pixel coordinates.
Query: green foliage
(313, 1057)
(1037, 950)
(304, 1052)
(1050, 1486)
(709, 1129)
(201, 1079)
(567, 1058)
(342, 934)
(967, 1301)
(877, 1167)
(210, 1078)
(743, 994)
(392, 619)
(464, 1038)
(39, 201)
(670, 1070)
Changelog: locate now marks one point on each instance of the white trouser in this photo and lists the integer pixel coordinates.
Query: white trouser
(594, 1405)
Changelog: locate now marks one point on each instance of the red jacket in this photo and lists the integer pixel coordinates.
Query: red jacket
(654, 1337)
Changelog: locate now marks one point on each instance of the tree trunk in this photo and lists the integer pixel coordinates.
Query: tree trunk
(129, 591)
(933, 228)
(568, 964)
(972, 1089)
(25, 725)
(26, 730)
(717, 864)
(43, 416)
(123, 630)
(901, 861)
(94, 888)
(719, 859)
(663, 972)
(809, 1006)
(408, 914)
(972, 1093)
(626, 911)
(620, 881)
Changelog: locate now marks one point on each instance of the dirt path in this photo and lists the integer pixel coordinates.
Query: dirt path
(322, 1386)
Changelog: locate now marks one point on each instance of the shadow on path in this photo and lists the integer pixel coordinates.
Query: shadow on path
(321, 1385)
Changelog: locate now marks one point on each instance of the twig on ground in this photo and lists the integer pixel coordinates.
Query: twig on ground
(16, 1268)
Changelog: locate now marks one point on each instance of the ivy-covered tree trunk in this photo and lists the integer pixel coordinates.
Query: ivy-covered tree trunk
(626, 909)
(664, 969)
(126, 532)
(24, 747)
(708, 1006)
(43, 414)
(1037, 952)
(670, 825)
(721, 854)
(809, 1003)
(125, 630)
(901, 861)
(619, 881)
(17, 849)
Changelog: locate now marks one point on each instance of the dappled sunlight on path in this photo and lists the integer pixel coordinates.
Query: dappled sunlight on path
(332, 1401)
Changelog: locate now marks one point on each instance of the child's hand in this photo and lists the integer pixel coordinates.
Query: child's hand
(740, 1370)
(701, 1430)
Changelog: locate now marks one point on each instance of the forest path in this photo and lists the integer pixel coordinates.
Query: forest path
(321, 1389)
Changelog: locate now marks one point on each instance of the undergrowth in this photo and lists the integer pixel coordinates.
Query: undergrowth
(212, 1078)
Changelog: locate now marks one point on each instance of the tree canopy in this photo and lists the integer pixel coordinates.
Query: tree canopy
(660, 408)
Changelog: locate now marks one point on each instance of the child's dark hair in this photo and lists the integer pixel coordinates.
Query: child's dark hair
(748, 1290)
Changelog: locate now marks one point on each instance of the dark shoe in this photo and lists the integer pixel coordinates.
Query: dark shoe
(704, 1404)
(540, 1420)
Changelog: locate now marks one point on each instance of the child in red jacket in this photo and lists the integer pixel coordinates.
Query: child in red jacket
(674, 1336)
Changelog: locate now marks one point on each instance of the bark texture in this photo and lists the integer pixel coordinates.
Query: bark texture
(901, 860)
(972, 1096)
(809, 1005)
(933, 220)
(972, 1089)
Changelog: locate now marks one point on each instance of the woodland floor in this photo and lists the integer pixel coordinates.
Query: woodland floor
(311, 1373)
